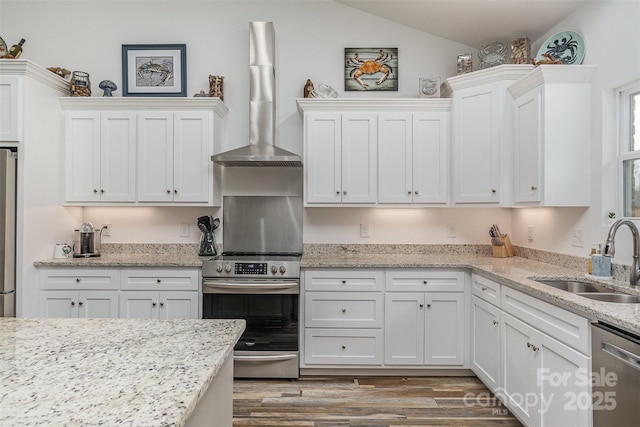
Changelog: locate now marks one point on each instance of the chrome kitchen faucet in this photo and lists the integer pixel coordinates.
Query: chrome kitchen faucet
(609, 248)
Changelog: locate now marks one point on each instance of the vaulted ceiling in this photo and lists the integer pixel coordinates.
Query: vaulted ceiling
(473, 22)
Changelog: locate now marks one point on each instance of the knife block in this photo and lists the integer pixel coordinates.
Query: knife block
(503, 251)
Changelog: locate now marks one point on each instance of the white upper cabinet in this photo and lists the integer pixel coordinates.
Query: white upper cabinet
(11, 108)
(552, 152)
(374, 152)
(142, 151)
(482, 135)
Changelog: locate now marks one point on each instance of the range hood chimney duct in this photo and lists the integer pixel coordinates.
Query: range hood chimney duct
(261, 150)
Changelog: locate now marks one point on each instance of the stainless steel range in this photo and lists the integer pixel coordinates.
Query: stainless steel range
(257, 278)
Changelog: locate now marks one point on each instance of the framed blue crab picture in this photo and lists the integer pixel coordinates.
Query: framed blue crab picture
(371, 69)
(154, 70)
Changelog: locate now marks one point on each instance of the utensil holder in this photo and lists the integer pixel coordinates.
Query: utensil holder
(503, 251)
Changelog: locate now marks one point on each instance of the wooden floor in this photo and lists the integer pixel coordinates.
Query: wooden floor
(367, 401)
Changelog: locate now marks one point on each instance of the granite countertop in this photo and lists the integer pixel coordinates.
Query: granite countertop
(175, 260)
(514, 272)
(109, 371)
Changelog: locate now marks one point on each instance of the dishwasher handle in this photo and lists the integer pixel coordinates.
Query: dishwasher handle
(626, 357)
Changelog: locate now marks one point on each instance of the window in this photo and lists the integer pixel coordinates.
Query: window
(629, 160)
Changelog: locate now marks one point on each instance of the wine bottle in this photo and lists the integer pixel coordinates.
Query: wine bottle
(16, 50)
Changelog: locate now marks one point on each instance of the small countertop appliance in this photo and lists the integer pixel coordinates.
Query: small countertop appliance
(87, 241)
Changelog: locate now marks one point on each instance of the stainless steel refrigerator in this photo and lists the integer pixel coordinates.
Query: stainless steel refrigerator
(8, 167)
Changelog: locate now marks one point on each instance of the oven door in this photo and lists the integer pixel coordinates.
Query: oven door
(269, 347)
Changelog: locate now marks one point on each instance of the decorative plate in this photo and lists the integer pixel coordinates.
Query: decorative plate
(3, 48)
(324, 91)
(492, 54)
(567, 46)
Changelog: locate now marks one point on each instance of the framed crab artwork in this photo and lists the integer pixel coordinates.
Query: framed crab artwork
(154, 69)
(370, 69)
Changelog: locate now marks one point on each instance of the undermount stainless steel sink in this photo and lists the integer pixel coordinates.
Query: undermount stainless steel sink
(574, 286)
(619, 298)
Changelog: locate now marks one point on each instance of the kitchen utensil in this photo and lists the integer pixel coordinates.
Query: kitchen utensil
(206, 221)
(216, 223)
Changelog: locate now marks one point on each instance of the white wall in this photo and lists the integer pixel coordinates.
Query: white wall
(611, 30)
(312, 35)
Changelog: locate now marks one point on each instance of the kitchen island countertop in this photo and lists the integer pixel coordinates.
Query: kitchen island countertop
(109, 371)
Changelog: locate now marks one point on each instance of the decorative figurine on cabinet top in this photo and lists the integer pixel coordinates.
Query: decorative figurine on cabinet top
(108, 87)
(308, 89)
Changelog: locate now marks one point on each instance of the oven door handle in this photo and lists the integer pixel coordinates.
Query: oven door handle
(211, 287)
(265, 358)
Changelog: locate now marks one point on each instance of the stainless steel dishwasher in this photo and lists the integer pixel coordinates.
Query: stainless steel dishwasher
(616, 376)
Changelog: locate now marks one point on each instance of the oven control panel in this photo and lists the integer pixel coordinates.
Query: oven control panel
(250, 268)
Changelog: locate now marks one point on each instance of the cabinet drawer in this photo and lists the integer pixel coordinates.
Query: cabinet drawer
(425, 280)
(343, 346)
(79, 279)
(343, 310)
(564, 326)
(159, 280)
(343, 280)
(486, 289)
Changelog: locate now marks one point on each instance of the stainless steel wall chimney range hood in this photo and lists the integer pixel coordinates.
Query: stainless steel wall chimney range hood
(261, 150)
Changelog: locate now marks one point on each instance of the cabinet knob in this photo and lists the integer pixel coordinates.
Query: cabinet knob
(73, 303)
(344, 282)
(338, 192)
(162, 304)
(344, 192)
(80, 303)
(415, 192)
(158, 280)
(101, 191)
(153, 303)
(344, 347)
(533, 188)
(77, 280)
(95, 191)
(484, 289)
(168, 191)
(494, 191)
(428, 305)
(175, 191)
(495, 322)
(421, 305)
(344, 310)
(425, 282)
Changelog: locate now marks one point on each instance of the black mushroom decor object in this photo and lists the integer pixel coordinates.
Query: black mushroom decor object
(108, 87)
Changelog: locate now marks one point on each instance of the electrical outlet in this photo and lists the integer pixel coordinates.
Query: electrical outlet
(576, 238)
(184, 229)
(364, 230)
(106, 229)
(530, 233)
(451, 230)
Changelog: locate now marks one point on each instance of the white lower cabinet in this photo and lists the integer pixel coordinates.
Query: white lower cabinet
(533, 355)
(165, 293)
(424, 329)
(158, 305)
(353, 318)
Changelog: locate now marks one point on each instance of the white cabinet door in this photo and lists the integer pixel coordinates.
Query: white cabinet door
(60, 304)
(139, 305)
(100, 156)
(476, 144)
(395, 151)
(193, 143)
(82, 153)
(485, 342)
(445, 318)
(430, 159)
(323, 158)
(545, 382)
(528, 146)
(178, 305)
(155, 157)
(359, 157)
(117, 156)
(404, 325)
(98, 304)
(11, 108)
